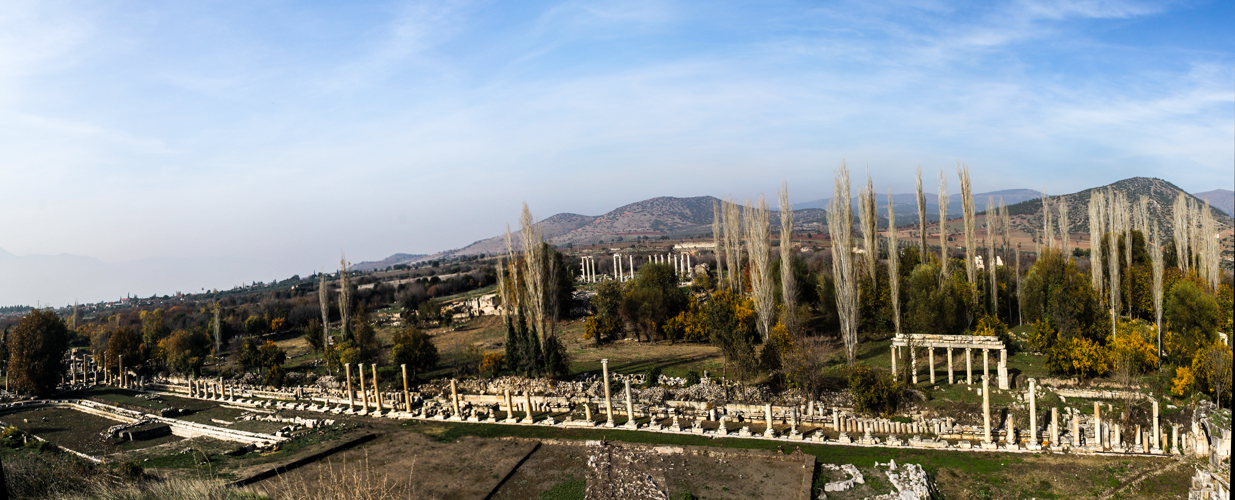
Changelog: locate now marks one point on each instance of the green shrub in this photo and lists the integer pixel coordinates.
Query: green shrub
(873, 390)
(653, 376)
(692, 378)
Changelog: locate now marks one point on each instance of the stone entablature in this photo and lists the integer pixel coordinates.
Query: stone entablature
(930, 342)
(945, 341)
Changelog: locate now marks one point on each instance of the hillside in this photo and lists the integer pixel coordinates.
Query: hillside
(1221, 198)
(1161, 194)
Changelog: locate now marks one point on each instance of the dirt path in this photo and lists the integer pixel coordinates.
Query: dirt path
(1148, 474)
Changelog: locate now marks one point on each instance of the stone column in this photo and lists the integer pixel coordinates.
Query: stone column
(364, 391)
(931, 356)
(630, 260)
(121, 361)
(1097, 425)
(529, 419)
(893, 348)
(1117, 442)
(767, 413)
(1010, 437)
(968, 366)
(1157, 446)
(1033, 416)
(986, 371)
(913, 364)
(950, 379)
(510, 408)
(351, 395)
(377, 394)
(604, 367)
(1055, 427)
(630, 408)
(1174, 439)
(986, 410)
(454, 400)
(407, 396)
(1003, 369)
(1076, 431)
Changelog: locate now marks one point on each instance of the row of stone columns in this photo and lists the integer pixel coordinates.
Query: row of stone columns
(913, 365)
(587, 265)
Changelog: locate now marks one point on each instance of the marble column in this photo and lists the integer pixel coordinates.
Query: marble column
(530, 417)
(351, 395)
(121, 361)
(931, 358)
(986, 410)
(630, 408)
(1174, 439)
(950, 379)
(1033, 416)
(1010, 436)
(835, 420)
(1055, 427)
(510, 408)
(454, 400)
(767, 412)
(986, 371)
(1003, 369)
(604, 367)
(364, 391)
(1157, 446)
(1076, 431)
(913, 364)
(407, 395)
(377, 394)
(968, 366)
(893, 348)
(1097, 425)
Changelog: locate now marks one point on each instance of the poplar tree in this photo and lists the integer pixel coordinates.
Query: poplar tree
(759, 248)
(868, 218)
(840, 228)
(943, 224)
(1096, 210)
(992, 228)
(970, 240)
(1155, 253)
(789, 291)
(716, 236)
(921, 216)
(1064, 226)
(894, 261)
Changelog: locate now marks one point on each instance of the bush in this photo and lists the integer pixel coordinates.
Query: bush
(653, 376)
(692, 378)
(873, 390)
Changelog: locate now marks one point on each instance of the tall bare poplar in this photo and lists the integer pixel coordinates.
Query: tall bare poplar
(218, 330)
(992, 229)
(1064, 226)
(535, 269)
(788, 288)
(1155, 253)
(894, 261)
(758, 244)
(868, 218)
(716, 236)
(921, 217)
(943, 224)
(971, 243)
(323, 301)
(1210, 246)
(840, 228)
(1005, 223)
(1179, 215)
(1096, 210)
(1113, 210)
(733, 242)
(345, 295)
(1048, 235)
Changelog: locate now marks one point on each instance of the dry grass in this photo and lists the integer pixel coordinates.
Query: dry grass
(170, 489)
(340, 481)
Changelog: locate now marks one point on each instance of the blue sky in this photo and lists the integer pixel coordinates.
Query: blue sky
(277, 134)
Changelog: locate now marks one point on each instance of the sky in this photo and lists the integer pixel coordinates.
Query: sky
(230, 142)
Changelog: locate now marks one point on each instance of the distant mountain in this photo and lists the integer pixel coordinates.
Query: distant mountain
(1161, 194)
(393, 260)
(907, 203)
(1221, 198)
